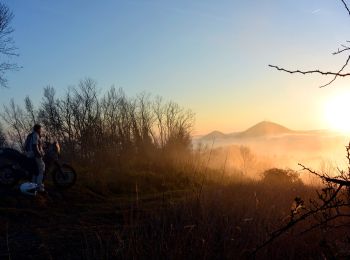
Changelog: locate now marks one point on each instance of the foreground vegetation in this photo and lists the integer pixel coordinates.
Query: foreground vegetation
(147, 218)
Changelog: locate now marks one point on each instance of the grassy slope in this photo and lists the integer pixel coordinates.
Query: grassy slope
(225, 221)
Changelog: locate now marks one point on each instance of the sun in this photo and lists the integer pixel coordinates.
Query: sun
(337, 112)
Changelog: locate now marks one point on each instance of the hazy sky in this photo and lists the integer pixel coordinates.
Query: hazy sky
(210, 56)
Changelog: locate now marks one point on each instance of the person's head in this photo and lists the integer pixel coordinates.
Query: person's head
(37, 128)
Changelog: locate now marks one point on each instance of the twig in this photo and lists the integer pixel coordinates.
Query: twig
(328, 73)
(345, 48)
(336, 76)
(276, 234)
(324, 73)
(346, 6)
(326, 178)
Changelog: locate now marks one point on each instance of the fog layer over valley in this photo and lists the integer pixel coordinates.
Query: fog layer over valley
(267, 145)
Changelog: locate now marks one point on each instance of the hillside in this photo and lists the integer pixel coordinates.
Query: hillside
(215, 135)
(264, 128)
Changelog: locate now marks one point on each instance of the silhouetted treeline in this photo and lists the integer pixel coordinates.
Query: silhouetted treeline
(109, 128)
(2, 137)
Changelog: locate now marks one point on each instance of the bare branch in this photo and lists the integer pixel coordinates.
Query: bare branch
(276, 234)
(346, 6)
(326, 178)
(8, 49)
(345, 48)
(324, 73)
(340, 71)
(311, 72)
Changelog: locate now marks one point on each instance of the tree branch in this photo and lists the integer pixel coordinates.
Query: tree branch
(276, 234)
(336, 76)
(324, 73)
(345, 183)
(346, 6)
(310, 72)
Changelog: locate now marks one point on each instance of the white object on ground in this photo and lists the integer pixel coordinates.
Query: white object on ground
(29, 188)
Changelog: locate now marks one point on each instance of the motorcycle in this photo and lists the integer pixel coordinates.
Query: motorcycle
(15, 166)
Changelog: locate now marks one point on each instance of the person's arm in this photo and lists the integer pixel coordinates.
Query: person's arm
(36, 151)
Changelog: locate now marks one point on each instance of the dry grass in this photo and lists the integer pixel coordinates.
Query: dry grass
(226, 222)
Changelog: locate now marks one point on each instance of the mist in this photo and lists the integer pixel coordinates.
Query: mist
(251, 155)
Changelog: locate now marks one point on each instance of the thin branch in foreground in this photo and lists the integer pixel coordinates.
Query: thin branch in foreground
(346, 6)
(327, 204)
(345, 183)
(328, 73)
(278, 233)
(345, 48)
(336, 76)
(324, 73)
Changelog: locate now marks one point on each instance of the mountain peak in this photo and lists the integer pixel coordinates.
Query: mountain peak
(265, 128)
(214, 135)
(261, 129)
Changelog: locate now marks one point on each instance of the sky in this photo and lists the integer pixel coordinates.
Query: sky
(209, 56)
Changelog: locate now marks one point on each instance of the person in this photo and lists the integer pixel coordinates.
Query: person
(34, 150)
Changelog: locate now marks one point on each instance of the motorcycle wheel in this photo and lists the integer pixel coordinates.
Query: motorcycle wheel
(8, 177)
(64, 176)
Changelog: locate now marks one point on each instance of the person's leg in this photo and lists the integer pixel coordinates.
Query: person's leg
(41, 169)
(34, 169)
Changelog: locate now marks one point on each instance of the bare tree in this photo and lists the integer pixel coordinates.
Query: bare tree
(7, 47)
(30, 109)
(105, 129)
(2, 137)
(49, 113)
(17, 121)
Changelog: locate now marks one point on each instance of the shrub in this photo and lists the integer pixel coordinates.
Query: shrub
(278, 176)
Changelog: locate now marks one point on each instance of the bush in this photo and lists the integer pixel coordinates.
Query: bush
(278, 176)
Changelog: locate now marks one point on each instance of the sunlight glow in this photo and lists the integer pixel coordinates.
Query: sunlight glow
(337, 112)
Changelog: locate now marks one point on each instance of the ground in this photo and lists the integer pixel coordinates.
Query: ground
(219, 222)
(64, 224)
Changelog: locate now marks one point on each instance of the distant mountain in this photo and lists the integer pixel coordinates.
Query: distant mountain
(261, 129)
(214, 135)
(264, 128)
